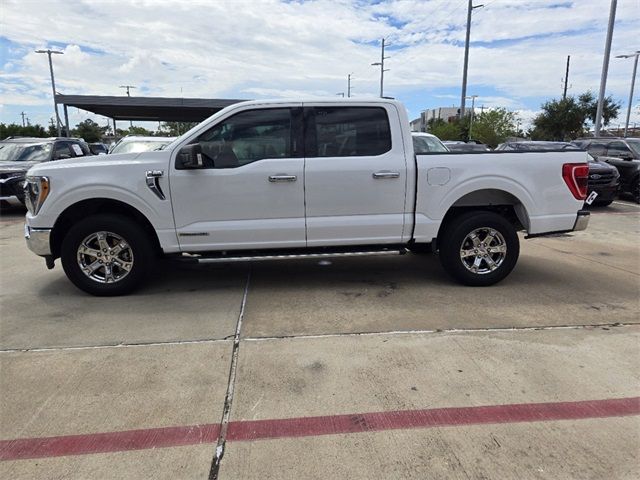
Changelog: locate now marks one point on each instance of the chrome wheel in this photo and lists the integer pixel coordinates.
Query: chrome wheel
(105, 257)
(483, 250)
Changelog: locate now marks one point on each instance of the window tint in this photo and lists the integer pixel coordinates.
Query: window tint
(350, 132)
(618, 149)
(62, 150)
(246, 137)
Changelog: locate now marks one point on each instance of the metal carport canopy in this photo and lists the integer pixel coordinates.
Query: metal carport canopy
(159, 109)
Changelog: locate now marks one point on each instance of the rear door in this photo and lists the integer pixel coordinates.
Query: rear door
(355, 175)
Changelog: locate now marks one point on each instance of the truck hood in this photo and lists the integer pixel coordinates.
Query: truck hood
(601, 167)
(16, 167)
(155, 159)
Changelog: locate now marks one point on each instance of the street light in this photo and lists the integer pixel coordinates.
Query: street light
(633, 82)
(473, 104)
(49, 52)
(128, 95)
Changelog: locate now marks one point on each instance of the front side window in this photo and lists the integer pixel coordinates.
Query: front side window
(62, 150)
(597, 149)
(349, 132)
(247, 137)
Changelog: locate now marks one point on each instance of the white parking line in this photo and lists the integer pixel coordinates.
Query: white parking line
(627, 204)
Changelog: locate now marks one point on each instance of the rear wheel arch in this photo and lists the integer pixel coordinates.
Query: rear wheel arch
(86, 208)
(498, 201)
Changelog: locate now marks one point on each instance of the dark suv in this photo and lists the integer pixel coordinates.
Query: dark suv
(622, 153)
(603, 178)
(19, 154)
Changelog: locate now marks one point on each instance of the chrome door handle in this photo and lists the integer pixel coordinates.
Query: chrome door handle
(282, 178)
(386, 175)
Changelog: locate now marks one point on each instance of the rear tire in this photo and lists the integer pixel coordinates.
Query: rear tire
(107, 255)
(479, 248)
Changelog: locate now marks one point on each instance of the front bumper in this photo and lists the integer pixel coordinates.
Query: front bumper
(582, 221)
(38, 240)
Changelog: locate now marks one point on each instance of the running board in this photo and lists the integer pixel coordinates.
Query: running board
(296, 256)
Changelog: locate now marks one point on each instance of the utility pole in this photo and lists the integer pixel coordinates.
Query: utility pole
(473, 105)
(566, 79)
(470, 8)
(605, 67)
(382, 69)
(49, 52)
(348, 86)
(128, 95)
(22, 114)
(633, 83)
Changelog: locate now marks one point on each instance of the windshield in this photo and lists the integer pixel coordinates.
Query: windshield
(138, 146)
(24, 152)
(635, 146)
(423, 144)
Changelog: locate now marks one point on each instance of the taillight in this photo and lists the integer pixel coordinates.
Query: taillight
(576, 176)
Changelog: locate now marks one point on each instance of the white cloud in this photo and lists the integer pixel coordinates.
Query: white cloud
(267, 48)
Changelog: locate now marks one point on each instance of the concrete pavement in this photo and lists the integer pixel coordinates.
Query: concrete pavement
(105, 382)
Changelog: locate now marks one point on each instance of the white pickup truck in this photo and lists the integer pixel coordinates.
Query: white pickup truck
(277, 180)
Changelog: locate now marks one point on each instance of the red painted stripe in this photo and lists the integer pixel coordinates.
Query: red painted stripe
(312, 426)
(108, 442)
(437, 417)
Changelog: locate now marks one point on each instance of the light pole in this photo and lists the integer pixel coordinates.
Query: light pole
(49, 52)
(382, 69)
(605, 67)
(128, 95)
(470, 9)
(633, 83)
(473, 105)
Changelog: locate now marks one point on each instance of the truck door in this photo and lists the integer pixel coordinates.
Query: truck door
(250, 192)
(355, 175)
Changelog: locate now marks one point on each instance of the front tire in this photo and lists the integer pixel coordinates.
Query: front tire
(107, 255)
(479, 248)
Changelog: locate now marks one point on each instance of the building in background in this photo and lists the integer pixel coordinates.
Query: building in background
(448, 114)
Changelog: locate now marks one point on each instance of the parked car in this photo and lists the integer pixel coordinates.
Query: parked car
(466, 147)
(98, 148)
(281, 180)
(137, 144)
(603, 179)
(622, 153)
(18, 154)
(427, 143)
(536, 146)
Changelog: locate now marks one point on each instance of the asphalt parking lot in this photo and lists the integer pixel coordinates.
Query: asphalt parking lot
(360, 368)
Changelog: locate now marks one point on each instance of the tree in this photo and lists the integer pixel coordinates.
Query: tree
(15, 130)
(493, 126)
(444, 130)
(173, 129)
(567, 119)
(134, 130)
(589, 105)
(89, 130)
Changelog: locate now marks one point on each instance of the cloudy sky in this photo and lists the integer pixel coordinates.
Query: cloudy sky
(292, 48)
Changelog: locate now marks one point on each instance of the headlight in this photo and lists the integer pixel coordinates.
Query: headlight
(36, 191)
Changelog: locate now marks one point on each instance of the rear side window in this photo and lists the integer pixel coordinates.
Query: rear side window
(348, 132)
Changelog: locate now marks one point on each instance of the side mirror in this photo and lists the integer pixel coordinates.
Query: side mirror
(190, 157)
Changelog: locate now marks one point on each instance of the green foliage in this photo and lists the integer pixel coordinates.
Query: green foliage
(16, 130)
(89, 130)
(138, 131)
(174, 129)
(444, 130)
(567, 119)
(492, 127)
